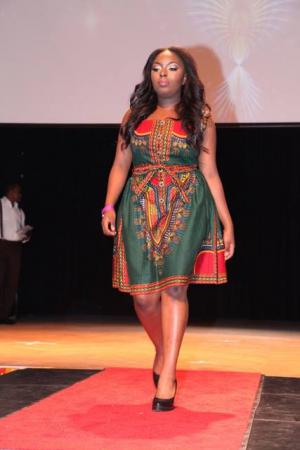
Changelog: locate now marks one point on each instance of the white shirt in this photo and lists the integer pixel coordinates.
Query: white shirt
(13, 219)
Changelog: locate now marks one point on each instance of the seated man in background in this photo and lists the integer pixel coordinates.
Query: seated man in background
(12, 233)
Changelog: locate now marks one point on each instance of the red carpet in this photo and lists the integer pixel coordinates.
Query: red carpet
(112, 411)
(5, 370)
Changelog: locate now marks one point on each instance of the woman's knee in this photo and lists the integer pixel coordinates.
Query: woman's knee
(177, 292)
(146, 302)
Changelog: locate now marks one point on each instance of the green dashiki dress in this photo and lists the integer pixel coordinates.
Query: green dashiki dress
(168, 228)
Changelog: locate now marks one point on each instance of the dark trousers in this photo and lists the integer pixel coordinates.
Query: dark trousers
(10, 264)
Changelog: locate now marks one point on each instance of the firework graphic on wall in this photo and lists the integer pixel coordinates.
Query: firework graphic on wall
(238, 27)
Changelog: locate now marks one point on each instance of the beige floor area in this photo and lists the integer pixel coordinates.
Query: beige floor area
(270, 348)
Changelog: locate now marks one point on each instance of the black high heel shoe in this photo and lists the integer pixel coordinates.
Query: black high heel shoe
(164, 404)
(155, 378)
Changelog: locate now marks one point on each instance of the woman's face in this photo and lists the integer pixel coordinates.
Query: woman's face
(167, 74)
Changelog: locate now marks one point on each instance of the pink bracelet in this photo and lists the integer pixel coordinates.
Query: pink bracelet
(107, 208)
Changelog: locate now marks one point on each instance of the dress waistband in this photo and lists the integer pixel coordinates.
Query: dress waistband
(172, 170)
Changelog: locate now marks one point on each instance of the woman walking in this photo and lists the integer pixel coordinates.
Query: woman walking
(173, 225)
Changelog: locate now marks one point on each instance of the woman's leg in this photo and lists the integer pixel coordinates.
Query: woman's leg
(174, 310)
(148, 310)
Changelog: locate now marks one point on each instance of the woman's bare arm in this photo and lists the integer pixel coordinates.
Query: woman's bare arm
(208, 166)
(116, 181)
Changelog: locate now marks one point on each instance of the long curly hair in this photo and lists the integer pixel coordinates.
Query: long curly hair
(192, 109)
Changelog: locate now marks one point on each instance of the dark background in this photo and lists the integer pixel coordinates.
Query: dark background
(67, 264)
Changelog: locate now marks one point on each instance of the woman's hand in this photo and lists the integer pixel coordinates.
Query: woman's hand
(109, 223)
(228, 238)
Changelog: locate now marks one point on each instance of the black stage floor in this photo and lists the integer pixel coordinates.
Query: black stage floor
(276, 423)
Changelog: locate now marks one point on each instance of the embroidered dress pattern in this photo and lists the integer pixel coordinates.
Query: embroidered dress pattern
(168, 229)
